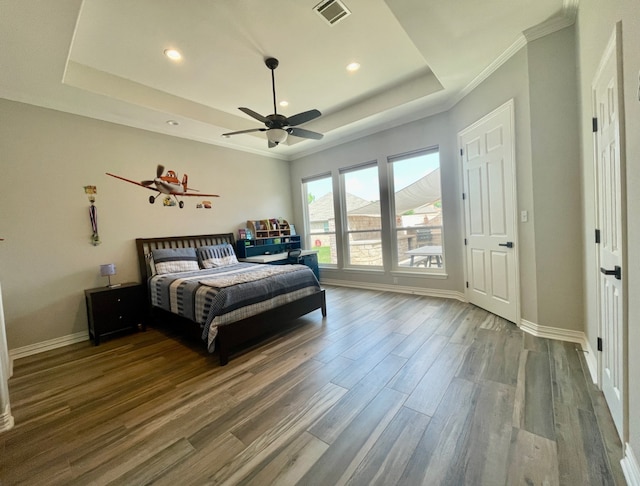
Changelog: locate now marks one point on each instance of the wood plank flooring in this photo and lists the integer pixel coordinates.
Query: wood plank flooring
(388, 389)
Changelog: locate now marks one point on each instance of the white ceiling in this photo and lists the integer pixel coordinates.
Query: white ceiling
(104, 59)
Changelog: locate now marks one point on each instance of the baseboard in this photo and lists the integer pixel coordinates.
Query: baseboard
(553, 332)
(592, 360)
(630, 467)
(6, 419)
(558, 334)
(24, 351)
(445, 294)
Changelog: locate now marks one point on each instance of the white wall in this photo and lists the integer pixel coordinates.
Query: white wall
(47, 158)
(555, 164)
(511, 81)
(594, 27)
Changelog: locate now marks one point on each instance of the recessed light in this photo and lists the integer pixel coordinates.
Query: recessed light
(353, 67)
(284, 103)
(173, 54)
(173, 123)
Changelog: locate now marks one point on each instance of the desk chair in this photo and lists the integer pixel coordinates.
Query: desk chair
(294, 256)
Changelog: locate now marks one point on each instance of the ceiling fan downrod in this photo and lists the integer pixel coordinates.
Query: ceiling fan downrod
(272, 63)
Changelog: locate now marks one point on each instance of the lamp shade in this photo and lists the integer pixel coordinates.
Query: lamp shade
(107, 269)
(276, 135)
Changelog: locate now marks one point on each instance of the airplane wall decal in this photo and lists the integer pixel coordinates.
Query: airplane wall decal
(166, 184)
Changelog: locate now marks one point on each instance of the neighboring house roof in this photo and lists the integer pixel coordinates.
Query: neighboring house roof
(322, 208)
(417, 196)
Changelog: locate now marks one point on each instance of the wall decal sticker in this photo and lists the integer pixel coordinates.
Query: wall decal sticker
(167, 184)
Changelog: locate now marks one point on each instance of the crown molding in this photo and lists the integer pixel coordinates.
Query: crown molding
(566, 18)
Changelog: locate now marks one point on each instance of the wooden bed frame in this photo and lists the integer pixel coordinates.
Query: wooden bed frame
(232, 335)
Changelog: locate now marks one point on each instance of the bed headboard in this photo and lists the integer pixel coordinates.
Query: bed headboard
(145, 246)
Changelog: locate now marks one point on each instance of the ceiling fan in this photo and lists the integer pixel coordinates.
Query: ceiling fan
(278, 127)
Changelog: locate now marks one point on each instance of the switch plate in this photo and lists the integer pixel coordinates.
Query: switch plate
(524, 216)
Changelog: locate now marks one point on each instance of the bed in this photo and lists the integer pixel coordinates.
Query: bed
(227, 302)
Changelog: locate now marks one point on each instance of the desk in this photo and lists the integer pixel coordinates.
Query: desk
(427, 255)
(275, 257)
(307, 257)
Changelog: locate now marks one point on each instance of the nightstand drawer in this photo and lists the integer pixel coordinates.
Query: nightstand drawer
(114, 309)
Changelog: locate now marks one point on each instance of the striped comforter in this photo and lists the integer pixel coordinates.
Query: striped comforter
(220, 296)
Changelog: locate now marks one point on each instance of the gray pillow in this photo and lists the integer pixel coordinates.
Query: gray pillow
(172, 260)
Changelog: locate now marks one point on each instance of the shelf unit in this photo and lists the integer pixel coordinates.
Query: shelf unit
(267, 246)
(268, 228)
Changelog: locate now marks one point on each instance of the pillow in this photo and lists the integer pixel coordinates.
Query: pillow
(173, 260)
(216, 256)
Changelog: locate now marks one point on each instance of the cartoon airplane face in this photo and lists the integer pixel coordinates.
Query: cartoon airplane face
(166, 184)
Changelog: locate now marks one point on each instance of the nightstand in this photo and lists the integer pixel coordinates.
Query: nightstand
(114, 309)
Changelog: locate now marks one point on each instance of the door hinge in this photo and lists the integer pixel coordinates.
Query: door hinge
(594, 124)
(599, 344)
(461, 152)
(465, 242)
(467, 284)
(464, 196)
(597, 236)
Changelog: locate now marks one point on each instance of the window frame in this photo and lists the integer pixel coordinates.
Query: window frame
(306, 220)
(394, 228)
(345, 231)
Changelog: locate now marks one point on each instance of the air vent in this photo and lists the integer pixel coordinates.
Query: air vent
(333, 11)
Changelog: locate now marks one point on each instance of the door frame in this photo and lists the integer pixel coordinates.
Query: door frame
(613, 48)
(508, 105)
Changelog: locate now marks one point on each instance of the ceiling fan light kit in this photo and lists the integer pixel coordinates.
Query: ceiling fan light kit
(277, 135)
(279, 127)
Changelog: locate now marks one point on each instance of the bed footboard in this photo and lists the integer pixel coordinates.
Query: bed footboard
(240, 332)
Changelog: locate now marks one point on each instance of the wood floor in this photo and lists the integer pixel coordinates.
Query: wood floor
(388, 389)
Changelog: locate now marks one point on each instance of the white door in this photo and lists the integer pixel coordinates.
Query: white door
(487, 151)
(609, 173)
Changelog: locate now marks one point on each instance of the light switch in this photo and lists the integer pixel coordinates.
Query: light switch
(524, 216)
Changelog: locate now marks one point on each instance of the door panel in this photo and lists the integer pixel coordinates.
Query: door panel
(487, 149)
(476, 213)
(479, 278)
(500, 275)
(611, 222)
(497, 203)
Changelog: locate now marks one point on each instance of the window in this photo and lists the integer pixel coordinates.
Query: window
(318, 198)
(393, 214)
(417, 205)
(362, 214)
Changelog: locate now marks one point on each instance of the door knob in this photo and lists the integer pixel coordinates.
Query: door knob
(617, 271)
(508, 244)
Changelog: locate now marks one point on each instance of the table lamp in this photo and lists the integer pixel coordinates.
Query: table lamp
(107, 270)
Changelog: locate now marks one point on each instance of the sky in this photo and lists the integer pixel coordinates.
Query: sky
(364, 183)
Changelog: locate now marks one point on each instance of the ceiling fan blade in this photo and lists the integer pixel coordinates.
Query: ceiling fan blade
(146, 183)
(244, 131)
(253, 114)
(303, 117)
(159, 170)
(301, 132)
